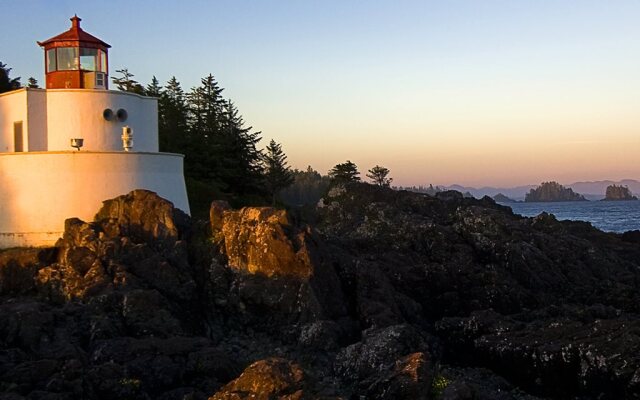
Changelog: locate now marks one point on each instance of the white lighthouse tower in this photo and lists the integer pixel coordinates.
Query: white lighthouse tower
(66, 148)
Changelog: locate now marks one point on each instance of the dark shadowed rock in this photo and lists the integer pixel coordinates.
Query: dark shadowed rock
(390, 295)
(18, 268)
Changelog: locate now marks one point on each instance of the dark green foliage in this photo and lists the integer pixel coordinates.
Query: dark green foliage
(6, 83)
(221, 156)
(345, 172)
(308, 188)
(126, 83)
(378, 176)
(277, 175)
(32, 83)
(153, 89)
(552, 191)
(172, 118)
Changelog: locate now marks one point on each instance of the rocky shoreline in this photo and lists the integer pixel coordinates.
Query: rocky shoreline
(385, 295)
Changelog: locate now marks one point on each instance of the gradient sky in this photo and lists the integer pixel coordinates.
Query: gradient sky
(481, 92)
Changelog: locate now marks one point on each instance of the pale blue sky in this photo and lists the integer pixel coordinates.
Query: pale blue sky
(453, 91)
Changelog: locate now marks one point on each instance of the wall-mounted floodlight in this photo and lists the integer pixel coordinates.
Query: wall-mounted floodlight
(127, 138)
(76, 143)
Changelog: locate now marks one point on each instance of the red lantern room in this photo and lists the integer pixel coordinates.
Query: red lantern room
(76, 60)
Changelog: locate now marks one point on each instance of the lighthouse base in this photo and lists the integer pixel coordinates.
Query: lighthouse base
(39, 190)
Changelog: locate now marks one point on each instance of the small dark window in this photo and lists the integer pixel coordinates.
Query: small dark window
(17, 137)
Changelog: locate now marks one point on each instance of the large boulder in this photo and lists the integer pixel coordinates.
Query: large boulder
(261, 240)
(280, 270)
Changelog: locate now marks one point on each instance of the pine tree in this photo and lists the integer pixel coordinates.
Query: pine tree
(126, 83)
(153, 89)
(378, 176)
(345, 172)
(6, 83)
(32, 83)
(277, 174)
(173, 129)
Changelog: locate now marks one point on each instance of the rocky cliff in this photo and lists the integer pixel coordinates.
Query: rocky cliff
(389, 295)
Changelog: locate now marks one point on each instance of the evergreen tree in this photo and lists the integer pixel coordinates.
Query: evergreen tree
(126, 83)
(378, 176)
(345, 172)
(32, 83)
(153, 89)
(241, 156)
(307, 188)
(6, 83)
(277, 174)
(173, 129)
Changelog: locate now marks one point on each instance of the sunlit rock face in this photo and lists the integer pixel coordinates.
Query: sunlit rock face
(273, 378)
(263, 248)
(261, 240)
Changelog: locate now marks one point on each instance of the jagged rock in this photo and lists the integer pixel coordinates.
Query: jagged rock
(410, 378)
(387, 363)
(18, 267)
(216, 216)
(279, 267)
(143, 216)
(273, 378)
(262, 241)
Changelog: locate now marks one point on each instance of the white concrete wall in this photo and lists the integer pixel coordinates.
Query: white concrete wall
(40, 190)
(13, 108)
(52, 117)
(78, 113)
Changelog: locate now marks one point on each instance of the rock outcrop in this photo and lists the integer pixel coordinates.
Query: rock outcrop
(552, 191)
(388, 295)
(618, 192)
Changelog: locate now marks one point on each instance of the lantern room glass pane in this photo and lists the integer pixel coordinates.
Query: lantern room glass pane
(103, 61)
(51, 60)
(67, 58)
(88, 59)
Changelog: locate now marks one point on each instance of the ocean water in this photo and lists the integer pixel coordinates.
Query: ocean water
(611, 216)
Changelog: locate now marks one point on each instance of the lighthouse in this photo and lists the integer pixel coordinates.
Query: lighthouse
(67, 148)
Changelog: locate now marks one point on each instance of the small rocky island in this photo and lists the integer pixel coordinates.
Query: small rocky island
(552, 191)
(618, 192)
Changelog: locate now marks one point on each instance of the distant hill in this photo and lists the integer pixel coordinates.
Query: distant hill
(501, 198)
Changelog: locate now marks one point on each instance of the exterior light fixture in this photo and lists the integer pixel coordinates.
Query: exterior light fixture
(76, 143)
(127, 138)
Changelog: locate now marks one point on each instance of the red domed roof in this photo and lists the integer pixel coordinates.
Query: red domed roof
(75, 34)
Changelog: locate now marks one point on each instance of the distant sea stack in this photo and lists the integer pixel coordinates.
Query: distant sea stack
(501, 198)
(552, 191)
(618, 192)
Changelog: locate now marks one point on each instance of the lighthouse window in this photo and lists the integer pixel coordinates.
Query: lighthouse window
(51, 60)
(67, 58)
(88, 59)
(103, 61)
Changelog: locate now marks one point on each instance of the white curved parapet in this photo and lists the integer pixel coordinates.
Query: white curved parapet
(51, 118)
(42, 189)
